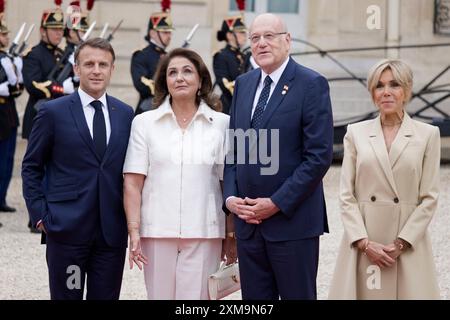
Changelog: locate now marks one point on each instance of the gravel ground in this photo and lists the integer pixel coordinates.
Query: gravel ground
(23, 271)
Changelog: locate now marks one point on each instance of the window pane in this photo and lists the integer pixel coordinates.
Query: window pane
(285, 6)
(249, 5)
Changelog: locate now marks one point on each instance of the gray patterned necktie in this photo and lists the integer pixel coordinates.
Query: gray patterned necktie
(261, 105)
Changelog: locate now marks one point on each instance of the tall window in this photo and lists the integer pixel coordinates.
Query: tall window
(249, 5)
(285, 6)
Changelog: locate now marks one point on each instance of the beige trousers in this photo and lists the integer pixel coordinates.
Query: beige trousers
(178, 269)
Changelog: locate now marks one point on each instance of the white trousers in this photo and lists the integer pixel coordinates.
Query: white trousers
(178, 269)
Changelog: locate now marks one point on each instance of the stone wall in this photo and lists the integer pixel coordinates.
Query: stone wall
(330, 24)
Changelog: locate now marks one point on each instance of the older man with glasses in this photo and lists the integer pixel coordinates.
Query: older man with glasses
(279, 217)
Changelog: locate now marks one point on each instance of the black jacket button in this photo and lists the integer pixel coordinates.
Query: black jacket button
(396, 200)
(373, 198)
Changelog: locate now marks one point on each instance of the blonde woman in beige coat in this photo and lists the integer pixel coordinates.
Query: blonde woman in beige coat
(388, 194)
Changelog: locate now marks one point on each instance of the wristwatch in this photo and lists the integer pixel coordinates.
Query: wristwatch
(231, 235)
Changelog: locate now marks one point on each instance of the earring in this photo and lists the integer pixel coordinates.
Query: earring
(198, 92)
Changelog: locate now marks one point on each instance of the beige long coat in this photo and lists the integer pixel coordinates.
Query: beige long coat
(384, 196)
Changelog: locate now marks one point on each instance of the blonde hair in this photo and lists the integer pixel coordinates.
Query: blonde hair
(401, 72)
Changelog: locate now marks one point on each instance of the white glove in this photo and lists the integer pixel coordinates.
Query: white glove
(4, 90)
(68, 86)
(19, 66)
(72, 59)
(9, 70)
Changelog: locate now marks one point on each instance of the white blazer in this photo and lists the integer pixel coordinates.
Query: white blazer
(181, 197)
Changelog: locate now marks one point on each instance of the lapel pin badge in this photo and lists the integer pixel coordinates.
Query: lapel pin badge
(285, 89)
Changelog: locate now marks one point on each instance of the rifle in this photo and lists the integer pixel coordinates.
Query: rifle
(110, 36)
(66, 54)
(24, 44)
(186, 42)
(68, 66)
(16, 40)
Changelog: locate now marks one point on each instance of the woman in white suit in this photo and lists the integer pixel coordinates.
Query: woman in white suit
(172, 183)
(388, 194)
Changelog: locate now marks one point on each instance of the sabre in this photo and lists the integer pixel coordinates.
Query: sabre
(186, 42)
(88, 32)
(24, 44)
(110, 36)
(16, 40)
(105, 28)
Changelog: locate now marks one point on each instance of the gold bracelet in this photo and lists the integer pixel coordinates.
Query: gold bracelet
(366, 246)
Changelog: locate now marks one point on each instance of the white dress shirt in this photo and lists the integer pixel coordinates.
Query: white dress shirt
(89, 112)
(181, 197)
(275, 76)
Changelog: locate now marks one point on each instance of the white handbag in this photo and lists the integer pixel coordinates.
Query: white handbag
(224, 281)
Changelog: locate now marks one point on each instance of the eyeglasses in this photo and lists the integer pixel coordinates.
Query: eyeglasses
(269, 36)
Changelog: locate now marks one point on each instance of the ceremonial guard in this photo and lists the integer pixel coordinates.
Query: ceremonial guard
(145, 61)
(11, 86)
(77, 23)
(42, 64)
(230, 62)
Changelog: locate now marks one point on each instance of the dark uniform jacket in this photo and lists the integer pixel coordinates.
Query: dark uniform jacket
(143, 68)
(228, 64)
(72, 47)
(8, 112)
(37, 65)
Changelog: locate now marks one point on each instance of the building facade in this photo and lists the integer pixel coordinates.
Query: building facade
(326, 24)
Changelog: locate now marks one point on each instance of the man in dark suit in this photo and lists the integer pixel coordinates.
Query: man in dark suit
(72, 180)
(279, 210)
(41, 66)
(145, 61)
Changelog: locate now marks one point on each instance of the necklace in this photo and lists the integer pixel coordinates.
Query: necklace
(185, 119)
(391, 124)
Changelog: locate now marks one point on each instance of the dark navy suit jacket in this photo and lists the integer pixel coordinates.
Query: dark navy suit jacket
(66, 184)
(300, 108)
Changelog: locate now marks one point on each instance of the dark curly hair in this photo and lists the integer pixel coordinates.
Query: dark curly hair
(206, 93)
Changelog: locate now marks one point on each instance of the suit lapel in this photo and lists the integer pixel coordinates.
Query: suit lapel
(114, 121)
(277, 95)
(401, 140)
(249, 93)
(376, 139)
(80, 121)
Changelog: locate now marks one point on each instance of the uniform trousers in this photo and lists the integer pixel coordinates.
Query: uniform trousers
(7, 150)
